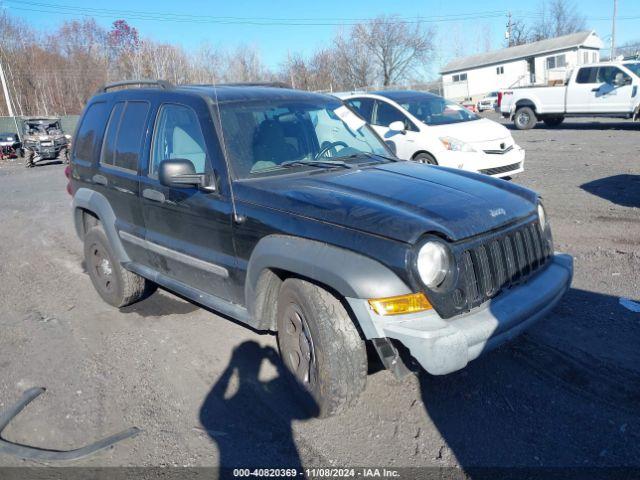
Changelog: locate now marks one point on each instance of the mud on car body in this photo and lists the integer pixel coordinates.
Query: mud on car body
(283, 210)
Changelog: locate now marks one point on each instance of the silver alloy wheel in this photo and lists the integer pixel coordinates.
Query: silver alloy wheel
(102, 267)
(523, 119)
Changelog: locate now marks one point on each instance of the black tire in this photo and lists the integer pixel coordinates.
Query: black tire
(117, 286)
(524, 118)
(425, 157)
(64, 155)
(320, 346)
(553, 121)
(29, 159)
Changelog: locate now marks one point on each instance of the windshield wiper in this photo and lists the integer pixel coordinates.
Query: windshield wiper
(372, 156)
(316, 163)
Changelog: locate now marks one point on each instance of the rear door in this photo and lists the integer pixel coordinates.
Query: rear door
(188, 235)
(581, 91)
(117, 174)
(612, 92)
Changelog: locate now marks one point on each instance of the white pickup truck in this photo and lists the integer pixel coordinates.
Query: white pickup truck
(608, 89)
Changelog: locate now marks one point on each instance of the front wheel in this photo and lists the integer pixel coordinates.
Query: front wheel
(64, 155)
(425, 158)
(29, 159)
(525, 118)
(320, 346)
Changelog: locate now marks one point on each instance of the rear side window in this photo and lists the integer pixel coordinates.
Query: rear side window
(90, 131)
(587, 75)
(125, 135)
(362, 106)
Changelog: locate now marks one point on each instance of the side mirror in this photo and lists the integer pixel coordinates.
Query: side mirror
(180, 173)
(397, 126)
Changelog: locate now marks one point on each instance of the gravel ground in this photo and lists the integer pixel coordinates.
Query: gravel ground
(564, 394)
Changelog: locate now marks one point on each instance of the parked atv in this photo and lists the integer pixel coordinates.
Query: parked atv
(44, 139)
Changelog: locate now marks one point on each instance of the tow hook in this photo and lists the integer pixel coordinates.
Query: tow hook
(35, 453)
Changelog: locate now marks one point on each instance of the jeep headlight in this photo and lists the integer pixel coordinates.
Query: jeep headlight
(433, 263)
(542, 217)
(455, 145)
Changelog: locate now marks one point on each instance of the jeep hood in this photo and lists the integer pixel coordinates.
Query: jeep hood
(401, 200)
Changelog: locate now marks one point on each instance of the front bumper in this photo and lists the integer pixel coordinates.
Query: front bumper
(444, 346)
(490, 164)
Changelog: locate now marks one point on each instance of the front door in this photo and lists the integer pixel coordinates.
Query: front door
(188, 234)
(612, 92)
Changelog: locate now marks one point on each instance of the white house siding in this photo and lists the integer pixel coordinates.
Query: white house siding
(481, 70)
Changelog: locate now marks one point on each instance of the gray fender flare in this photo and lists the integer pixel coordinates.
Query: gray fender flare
(350, 274)
(86, 199)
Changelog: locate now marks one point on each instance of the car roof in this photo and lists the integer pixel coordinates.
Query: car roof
(395, 95)
(229, 93)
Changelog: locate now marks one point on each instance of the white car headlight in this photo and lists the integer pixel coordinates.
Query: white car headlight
(456, 145)
(433, 263)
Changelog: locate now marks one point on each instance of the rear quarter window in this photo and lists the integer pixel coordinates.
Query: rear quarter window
(586, 75)
(125, 135)
(90, 131)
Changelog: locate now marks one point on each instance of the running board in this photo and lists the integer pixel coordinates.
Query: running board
(233, 310)
(35, 453)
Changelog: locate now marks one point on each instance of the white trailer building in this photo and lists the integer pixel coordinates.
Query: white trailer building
(537, 63)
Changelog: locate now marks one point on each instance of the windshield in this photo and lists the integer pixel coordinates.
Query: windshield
(434, 110)
(634, 67)
(269, 137)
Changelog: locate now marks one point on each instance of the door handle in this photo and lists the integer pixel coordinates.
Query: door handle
(154, 195)
(99, 179)
(597, 89)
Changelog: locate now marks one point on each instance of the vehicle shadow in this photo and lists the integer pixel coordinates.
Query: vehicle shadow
(623, 189)
(548, 402)
(250, 420)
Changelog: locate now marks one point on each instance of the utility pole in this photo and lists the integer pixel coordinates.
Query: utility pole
(613, 30)
(507, 34)
(5, 90)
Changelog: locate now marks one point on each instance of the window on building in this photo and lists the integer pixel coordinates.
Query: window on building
(460, 78)
(585, 57)
(594, 57)
(500, 70)
(557, 61)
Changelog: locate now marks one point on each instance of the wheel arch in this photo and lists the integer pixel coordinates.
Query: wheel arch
(418, 152)
(344, 273)
(526, 102)
(88, 204)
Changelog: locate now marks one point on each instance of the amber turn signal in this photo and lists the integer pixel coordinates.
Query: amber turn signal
(411, 303)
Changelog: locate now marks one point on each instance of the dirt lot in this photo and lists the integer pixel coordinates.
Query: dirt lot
(564, 394)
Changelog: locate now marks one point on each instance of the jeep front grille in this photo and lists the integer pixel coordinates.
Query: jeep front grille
(500, 263)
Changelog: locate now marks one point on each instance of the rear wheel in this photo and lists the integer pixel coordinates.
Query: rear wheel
(321, 347)
(524, 118)
(553, 121)
(425, 157)
(117, 286)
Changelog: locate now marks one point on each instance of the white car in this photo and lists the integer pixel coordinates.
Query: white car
(488, 102)
(427, 128)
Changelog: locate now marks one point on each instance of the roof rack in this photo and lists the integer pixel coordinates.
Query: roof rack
(159, 83)
(240, 84)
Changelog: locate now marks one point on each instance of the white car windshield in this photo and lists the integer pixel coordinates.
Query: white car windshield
(265, 138)
(434, 110)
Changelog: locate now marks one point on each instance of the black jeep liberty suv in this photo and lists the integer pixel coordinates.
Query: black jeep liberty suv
(283, 210)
